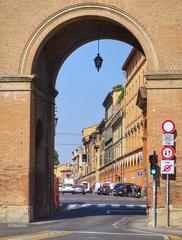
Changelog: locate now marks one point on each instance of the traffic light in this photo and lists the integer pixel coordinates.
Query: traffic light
(84, 157)
(153, 164)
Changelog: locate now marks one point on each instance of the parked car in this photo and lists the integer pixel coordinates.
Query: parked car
(87, 186)
(99, 190)
(60, 187)
(68, 188)
(79, 189)
(129, 190)
(115, 189)
(121, 190)
(136, 191)
(106, 190)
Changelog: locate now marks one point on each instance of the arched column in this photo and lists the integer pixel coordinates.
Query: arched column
(16, 148)
(27, 166)
(164, 94)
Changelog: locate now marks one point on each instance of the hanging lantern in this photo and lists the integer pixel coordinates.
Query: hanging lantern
(98, 60)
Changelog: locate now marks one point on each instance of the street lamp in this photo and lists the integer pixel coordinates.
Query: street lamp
(55, 121)
(98, 60)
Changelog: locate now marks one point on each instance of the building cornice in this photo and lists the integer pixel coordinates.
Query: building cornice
(16, 78)
(163, 76)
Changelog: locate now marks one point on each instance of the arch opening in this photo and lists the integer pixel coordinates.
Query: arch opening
(63, 40)
(50, 54)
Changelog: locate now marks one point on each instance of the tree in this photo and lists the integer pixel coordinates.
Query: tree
(56, 158)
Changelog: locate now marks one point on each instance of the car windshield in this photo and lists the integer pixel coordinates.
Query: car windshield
(79, 186)
(68, 185)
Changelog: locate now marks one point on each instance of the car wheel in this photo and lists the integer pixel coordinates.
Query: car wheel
(129, 194)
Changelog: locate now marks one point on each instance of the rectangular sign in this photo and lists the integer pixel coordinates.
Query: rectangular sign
(167, 167)
(168, 139)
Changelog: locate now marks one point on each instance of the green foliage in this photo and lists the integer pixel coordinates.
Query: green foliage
(121, 96)
(118, 87)
(56, 158)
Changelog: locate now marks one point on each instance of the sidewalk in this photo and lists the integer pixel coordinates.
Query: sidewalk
(140, 224)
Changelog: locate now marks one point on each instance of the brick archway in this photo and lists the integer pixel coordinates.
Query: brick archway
(134, 33)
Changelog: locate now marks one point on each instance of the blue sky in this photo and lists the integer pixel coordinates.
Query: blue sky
(82, 91)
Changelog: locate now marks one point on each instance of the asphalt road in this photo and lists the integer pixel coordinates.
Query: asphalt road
(84, 217)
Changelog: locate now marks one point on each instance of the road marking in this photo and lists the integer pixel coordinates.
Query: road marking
(38, 235)
(118, 222)
(101, 205)
(115, 205)
(130, 205)
(71, 206)
(127, 234)
(143, 205)
(86, 205)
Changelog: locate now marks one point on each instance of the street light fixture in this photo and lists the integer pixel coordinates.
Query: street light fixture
(98, 60)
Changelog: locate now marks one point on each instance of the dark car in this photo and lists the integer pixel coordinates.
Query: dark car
(99, 190)
(136, 191)
(122, 190)
(106, 190)
(129, 190)
(115, 189)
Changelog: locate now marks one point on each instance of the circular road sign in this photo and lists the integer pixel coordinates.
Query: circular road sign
(168, 126)
(167, 152)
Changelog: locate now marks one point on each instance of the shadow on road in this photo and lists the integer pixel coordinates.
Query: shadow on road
(79, 209)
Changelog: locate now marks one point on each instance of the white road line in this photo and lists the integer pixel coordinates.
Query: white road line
(143, 206)
(130, 205)
(86, 205)
(101, 205)
(71, 206)
(118, 222)
(115, 205)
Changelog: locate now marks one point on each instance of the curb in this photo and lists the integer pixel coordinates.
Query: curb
(131, 222)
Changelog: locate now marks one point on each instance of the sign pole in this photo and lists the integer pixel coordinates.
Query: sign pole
(154, 201)
(167, 200)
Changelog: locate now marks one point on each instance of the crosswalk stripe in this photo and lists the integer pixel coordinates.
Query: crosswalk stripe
(86, 205)
(38, 235)
(115, 205)
(101, 205)
(71, 206)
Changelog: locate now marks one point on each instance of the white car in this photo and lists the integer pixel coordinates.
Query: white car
(60, 188)
(68, 188)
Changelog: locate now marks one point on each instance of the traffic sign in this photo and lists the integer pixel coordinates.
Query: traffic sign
(139, 173)
(168, 126)
(167, 167)
(168, 139)
(167, 152)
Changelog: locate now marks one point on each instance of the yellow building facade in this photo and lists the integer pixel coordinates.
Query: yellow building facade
(112, 141)
(134, 165)
(62, 171)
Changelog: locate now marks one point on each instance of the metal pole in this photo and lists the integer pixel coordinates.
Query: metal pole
(167, 200)
(154, 201)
